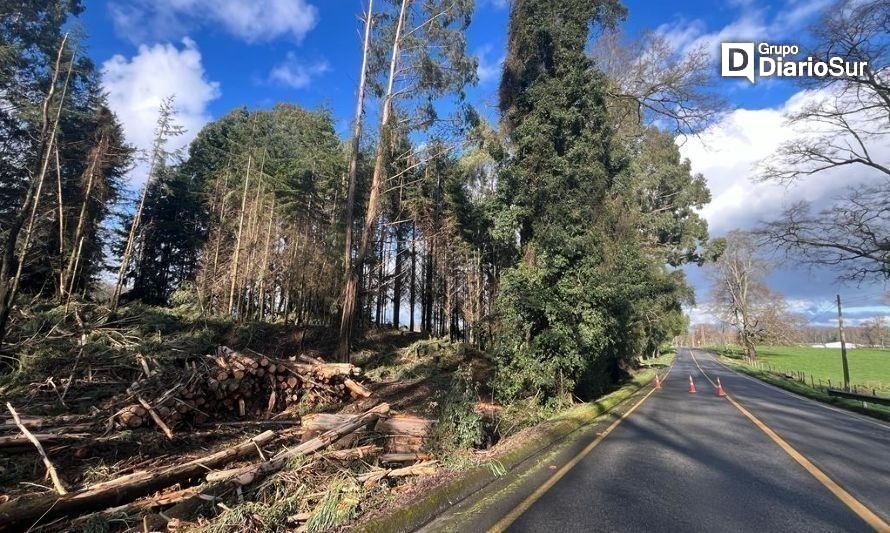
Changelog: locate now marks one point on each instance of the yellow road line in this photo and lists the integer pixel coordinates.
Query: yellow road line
(848, 499)
(509, 518)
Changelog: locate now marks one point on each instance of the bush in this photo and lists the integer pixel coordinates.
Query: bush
(459, 425)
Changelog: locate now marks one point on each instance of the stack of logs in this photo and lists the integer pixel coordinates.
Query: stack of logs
(247, 385)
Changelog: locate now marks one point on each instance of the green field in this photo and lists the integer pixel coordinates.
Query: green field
(869, 368)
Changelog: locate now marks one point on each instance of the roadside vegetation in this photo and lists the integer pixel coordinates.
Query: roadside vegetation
(783, 366)
(869, 367)
(287, 329)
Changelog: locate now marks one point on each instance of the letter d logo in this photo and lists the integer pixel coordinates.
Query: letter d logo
(737, 60)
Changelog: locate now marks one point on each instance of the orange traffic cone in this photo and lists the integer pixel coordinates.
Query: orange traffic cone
(657, 381)
(691, 385)
(720, 388)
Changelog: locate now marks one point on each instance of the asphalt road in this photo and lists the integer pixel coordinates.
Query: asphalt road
(695, 462)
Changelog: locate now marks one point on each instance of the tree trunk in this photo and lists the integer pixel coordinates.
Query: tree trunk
(26, 512)
(8, 284)
(355, 144)
(68, 273)
(412, 287)
(397, 279)
(234, 274)
(349, 294)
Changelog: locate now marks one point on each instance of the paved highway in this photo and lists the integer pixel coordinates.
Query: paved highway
(761, 460)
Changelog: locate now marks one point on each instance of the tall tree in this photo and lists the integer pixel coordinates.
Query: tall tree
(165, 129)
(427, 60)
(552, 189)
(739, 294)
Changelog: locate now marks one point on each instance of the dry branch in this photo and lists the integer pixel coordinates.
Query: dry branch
(251, 473)
(156, 418)
(25, 512)
(57, 483)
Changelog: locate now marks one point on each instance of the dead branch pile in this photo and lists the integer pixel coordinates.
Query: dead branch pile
(217, 478)
(235, 383)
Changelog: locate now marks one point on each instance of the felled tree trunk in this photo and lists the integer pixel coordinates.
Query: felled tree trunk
(26, 512)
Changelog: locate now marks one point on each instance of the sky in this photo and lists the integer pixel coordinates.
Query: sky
(215, 55)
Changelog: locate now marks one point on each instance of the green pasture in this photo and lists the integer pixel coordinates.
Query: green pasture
(869, 367)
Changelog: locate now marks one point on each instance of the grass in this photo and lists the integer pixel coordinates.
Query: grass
(869, 367)
(804, 389)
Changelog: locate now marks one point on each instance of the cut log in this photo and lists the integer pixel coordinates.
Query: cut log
(408, 425)
(309, 359)
(403, 457)
(330, 370)
(26, 512)
(428, 467)
(317, 423)
(18, 441)
(352, 454)
(251, 473)
(357, 388)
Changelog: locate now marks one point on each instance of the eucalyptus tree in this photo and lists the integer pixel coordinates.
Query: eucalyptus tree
(419, 56)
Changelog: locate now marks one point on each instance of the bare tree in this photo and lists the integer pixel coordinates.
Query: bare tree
(739, 294)
(351, 284)
(852, 236)
(846, 127)
(653, 81)
(875, 331)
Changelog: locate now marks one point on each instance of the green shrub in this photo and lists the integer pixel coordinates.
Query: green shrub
(459, 425)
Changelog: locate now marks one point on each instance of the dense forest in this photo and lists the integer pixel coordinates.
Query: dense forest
(550, 240)
(420, 295)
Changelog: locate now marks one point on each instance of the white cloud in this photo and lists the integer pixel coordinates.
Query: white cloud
(137, 85)
(727, 154)
(752, 25)
(250, 20)
(295, 73)
(487, 70)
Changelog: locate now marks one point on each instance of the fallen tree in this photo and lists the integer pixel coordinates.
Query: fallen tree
(26, 512)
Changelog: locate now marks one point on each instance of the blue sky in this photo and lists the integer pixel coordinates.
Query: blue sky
(329, 48)
(219, 54)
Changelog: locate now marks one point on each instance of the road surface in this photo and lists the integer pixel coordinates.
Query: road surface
(764, 460)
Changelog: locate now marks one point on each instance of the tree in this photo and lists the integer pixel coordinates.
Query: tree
(741, 298)
(172, 235)
(875, 331)
(281, 219)
(165, 129)
(57, 139)
(355, 146)
(660, 188)
(552, 192)
(427, 60)
(852, 236)
(651, 81)
(847, 125)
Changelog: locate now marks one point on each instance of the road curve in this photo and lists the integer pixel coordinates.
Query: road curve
(692, 462)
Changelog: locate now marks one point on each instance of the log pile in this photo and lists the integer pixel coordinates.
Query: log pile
(232, 383)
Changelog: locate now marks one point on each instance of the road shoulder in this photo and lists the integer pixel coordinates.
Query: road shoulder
(457, 504)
